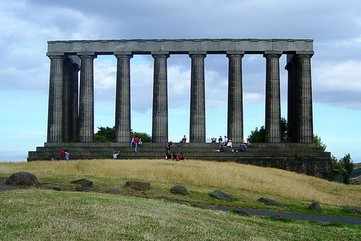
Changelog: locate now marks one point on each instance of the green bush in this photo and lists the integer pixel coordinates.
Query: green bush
(107, 134)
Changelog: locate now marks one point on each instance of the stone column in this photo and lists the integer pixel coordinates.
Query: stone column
(122, 105)
(55, 107)
(160, 99)
(304, 98)
(75, 103)
(67, 99)
(291, 103)
(197, 133)
(235, 97)
(86, 100)
(273, 108)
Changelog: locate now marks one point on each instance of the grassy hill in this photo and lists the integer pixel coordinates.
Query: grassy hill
(51, 215)
(159, 215)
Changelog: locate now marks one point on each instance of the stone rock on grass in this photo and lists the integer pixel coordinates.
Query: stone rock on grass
(353, 210)
(137, 185)
(221, 195)
(84, 185)
(22, 179)
(269, 201)
(315, 206)
(179, 189)
(83, 182)
(241, 212)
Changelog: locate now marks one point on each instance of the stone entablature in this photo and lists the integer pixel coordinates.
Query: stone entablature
(182, 46)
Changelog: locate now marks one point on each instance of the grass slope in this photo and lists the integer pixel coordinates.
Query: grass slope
(246, 181)
(48, 215)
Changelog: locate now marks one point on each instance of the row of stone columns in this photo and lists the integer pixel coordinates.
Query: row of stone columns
(71, 121)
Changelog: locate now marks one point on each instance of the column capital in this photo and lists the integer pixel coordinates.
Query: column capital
(274, 54)
(123, 54)
(305, 53)
(197, 53)
(235, 53)
(160, 54)
(87, 54)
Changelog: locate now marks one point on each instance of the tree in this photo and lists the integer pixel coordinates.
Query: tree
(342, 169)
(259, 135)
(107, 134)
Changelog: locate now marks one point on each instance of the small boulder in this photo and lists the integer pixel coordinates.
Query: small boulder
(269, 201)
(22, 179)
(241, 211)
(83, 182)
(353, 210)
(137, 185)
(84, 185)
(315, 206)
(179, 189)
(221, 195)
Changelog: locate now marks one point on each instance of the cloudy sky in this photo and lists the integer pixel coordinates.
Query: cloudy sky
(27, 25)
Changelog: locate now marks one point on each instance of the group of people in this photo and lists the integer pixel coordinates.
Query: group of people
(135, 142)
(227, 144)
(64, 154)
(172, 154)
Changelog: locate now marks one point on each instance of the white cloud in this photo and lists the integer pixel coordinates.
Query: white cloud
(344, 76)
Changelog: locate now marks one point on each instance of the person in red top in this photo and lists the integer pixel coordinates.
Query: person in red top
(135, 143)
(61, 153)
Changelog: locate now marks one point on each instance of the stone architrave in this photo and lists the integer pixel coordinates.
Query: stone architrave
(160, 99)
(86, 100)
(197, 133)
(122, 105)
(55, 108)
(235, 97)
(273, 106)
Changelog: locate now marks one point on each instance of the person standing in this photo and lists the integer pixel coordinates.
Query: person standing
(136, 143)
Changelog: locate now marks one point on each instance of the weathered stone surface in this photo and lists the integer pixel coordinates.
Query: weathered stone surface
(315, 206)
(179, 189)
(182, 46)
(221, 195)
(137, 185)
(235, 98)
(160, 100)
(86, 98)
(269, 201)
(55, 104)
(273, 101)
(197, 125)
(122, 106)
(83, 182)
(83, 185)
(241, 211)
(304, 99)
(22, 179)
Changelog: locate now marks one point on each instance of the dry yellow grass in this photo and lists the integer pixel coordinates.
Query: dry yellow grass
(204, 174)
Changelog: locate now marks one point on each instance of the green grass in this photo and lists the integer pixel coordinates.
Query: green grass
(247, 183)
(49, 215)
